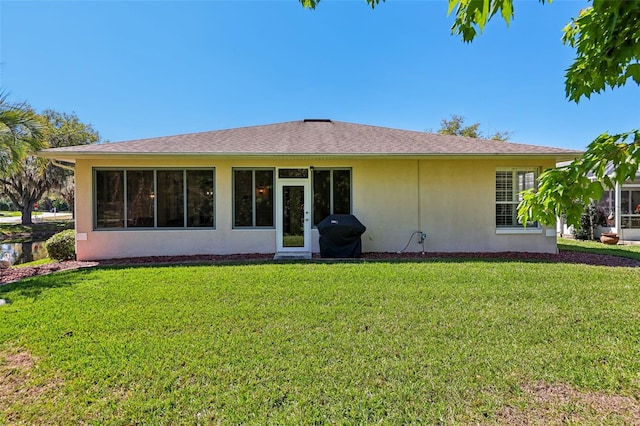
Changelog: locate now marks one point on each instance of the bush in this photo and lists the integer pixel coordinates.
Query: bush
(592, 217)
(62, 246)
(6, 204)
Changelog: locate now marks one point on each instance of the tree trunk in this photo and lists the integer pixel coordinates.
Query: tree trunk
(26, 213)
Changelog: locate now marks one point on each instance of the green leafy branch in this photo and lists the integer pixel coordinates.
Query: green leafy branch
(566, 190)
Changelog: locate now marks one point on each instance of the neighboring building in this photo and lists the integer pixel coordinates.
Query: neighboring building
(262, 189)
(622, 207)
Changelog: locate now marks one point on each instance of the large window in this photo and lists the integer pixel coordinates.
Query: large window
(253, 198)
(199, 198)
(331, 193)
(509, 184)
(170, 198)
(109, 199)
(165, 198)
(630, 207)
(608, 201)
(140, 204)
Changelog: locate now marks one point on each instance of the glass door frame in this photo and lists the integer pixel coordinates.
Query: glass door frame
(280, 184)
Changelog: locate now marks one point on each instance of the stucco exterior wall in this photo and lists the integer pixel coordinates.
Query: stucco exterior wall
(451, 200)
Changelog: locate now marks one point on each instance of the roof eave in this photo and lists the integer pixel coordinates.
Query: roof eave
(71, 156)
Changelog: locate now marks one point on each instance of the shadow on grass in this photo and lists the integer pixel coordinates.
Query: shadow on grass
(629, 252)
(33, 287)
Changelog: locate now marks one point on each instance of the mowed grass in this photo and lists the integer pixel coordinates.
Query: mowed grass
(305, 343)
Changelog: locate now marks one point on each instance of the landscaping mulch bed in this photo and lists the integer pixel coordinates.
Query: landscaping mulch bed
(18, 273)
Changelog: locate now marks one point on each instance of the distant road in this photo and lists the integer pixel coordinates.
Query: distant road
(36, 219)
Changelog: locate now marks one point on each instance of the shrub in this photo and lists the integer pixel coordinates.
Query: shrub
(592, 217)
(62, 246)
(6, 204)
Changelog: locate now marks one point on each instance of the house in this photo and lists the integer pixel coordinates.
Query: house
(263, 189)
(621, 205)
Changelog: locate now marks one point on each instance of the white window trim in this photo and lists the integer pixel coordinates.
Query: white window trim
(516, 230)
(529, 230)
(628, 187)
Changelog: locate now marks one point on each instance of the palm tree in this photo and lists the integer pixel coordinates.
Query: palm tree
(20, 133)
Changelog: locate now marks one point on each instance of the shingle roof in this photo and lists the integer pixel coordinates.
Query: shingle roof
(309, 137)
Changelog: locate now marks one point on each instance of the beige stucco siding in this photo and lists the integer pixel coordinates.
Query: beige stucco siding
(453, 204)
(459, 199)
(451, 200)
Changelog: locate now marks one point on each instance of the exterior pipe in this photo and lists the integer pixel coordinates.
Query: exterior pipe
(419, 200)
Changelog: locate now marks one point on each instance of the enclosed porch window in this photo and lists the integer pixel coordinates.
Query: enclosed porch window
(150, 199)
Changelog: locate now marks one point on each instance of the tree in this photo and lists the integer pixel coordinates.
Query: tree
(607, 42)
(34, 176)
(19, 133)
(455, 127)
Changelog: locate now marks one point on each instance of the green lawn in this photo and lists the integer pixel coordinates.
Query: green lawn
(316, 343)
(6, 213)
(34, 263)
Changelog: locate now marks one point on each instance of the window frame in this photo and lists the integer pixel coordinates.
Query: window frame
(631, 216)
(155, 226)
(253, 197)
(531, 228)
(331, 194)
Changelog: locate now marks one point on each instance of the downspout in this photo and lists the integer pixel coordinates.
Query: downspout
(419, 200)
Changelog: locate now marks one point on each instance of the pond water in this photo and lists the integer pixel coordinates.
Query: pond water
(23, 252)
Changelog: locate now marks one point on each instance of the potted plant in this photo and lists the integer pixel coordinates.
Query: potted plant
(610, 238)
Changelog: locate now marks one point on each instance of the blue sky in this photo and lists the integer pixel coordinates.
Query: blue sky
(137, 69)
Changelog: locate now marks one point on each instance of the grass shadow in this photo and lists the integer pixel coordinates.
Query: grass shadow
(629, 252)
(33, 287)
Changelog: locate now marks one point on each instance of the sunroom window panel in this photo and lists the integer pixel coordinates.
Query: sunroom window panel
(242, 196)
(170, 198)
(625, 202)
(264, 197)
(140, 198)
(342, 192)
(635, 202)
(109, 199)
(607, 201)
(321, 195)
(200, 199)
